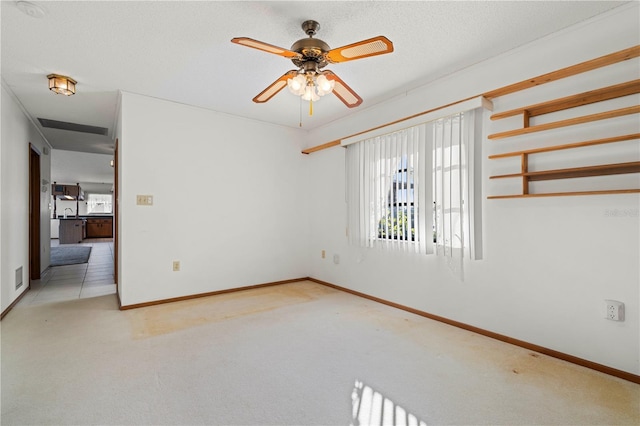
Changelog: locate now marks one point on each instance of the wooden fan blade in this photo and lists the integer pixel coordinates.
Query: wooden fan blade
(342, 91)
(265, 47)
(362, 49)
(274, 87)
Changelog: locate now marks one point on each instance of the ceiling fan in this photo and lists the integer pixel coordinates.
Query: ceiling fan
(310, 55)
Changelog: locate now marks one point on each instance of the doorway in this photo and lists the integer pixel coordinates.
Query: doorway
(34, 213)
(115, 217)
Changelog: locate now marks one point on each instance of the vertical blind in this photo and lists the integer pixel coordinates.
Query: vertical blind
(387, 190)
(414, 189)
(451, 189)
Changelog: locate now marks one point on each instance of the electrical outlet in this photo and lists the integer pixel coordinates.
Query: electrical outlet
(615, 310)
(176, 265)
(336, 259)
(324, 254)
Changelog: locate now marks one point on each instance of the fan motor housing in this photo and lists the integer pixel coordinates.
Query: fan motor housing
(311, 49)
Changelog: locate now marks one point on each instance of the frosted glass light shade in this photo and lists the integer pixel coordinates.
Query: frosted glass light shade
(310, 94)
(324, 85)
(297, 85)
(62, 85)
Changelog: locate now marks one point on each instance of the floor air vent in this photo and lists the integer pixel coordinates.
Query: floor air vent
(63, 125)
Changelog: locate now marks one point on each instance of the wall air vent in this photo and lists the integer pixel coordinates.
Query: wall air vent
(63, 125)
(18, 277)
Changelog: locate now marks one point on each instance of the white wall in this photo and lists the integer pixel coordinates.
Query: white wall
(71, 167)
(548, 263)
(17, 132)
(229, 201)
(61, 205)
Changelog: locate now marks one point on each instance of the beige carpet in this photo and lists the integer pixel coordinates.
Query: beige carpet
(294, 354)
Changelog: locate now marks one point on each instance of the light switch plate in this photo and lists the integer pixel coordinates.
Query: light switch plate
(144, 200)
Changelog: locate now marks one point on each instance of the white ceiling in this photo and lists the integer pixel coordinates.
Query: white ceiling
(181, 51)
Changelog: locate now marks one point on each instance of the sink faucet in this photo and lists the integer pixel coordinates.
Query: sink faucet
(65, 211)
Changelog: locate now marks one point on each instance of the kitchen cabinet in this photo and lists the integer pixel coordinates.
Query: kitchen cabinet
(99, 227)
(68, 192)
(72, 231)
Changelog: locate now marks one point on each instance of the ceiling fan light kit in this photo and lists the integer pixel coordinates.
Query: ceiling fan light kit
(310, 55)
(310, 86)
(62, 85)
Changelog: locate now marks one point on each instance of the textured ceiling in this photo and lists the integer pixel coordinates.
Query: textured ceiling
(181, 51)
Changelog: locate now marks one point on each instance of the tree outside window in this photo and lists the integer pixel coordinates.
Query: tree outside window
(399, 222)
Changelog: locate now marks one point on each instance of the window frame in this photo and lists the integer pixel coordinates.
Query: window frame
(90, 207)
(362, 226)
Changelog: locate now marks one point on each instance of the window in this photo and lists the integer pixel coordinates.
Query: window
(451, 216)
(99, 203)
(398, 221)
(386, 189)
(458, 185)
(415, 189)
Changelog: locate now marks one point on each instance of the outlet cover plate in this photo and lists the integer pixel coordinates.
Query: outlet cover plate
(614, 310)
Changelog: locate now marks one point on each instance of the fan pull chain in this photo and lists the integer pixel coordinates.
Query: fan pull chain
(300, 111)
(310, 107)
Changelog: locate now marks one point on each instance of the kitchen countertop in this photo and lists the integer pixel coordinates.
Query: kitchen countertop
(93, 216)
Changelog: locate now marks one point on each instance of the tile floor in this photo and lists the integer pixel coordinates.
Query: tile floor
(83, 280)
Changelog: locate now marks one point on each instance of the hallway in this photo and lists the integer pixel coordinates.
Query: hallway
(60, 283)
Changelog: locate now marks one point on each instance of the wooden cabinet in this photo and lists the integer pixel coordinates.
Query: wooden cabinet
(67, 191)
(71, 231)
(58, 189)
(99, 227)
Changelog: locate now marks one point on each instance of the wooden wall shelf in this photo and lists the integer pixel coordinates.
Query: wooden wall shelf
(576, 172)
(565, 194)
(569, 122)
(598, 95)
(568, 173)
(602, 61)
(586, 98)
(568, 146)
(554, 105)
